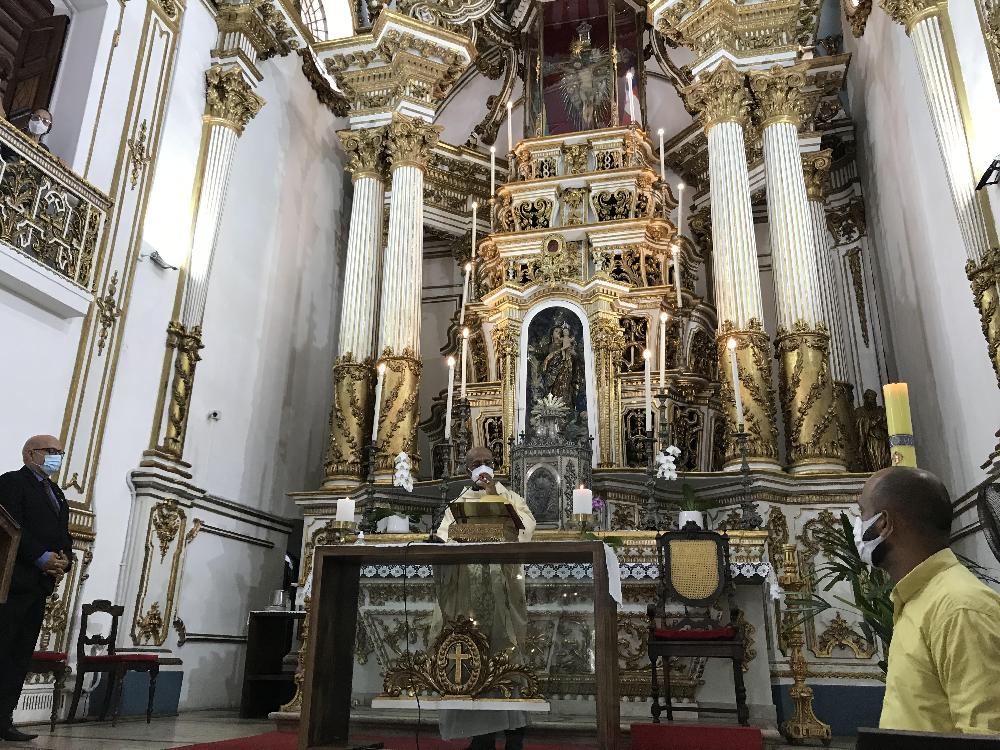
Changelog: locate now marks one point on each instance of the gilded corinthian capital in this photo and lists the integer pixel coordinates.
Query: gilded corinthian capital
(409, 141)
(364, 150)
(229, 98)
(816, 169)
(719, 96)
(778, 94)
(910, 12)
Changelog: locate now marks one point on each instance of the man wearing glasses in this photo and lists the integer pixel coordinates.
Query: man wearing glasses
(45, 553)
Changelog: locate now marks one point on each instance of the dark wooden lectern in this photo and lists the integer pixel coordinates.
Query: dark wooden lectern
(10, 538)
(333, 618)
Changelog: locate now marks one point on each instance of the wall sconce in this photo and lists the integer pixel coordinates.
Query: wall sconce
(158, 260)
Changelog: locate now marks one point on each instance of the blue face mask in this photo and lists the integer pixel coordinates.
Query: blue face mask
(52, 464)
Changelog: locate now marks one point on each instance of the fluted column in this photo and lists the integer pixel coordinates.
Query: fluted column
(929, 28)
(722, 101)
(608, 342)
(408, 144)
(506, 343)
(354, 369)
(816, 166)
(805, 384)
(230, 104)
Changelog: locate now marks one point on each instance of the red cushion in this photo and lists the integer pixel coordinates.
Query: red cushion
(118, 658)
(49, 656)
(713, 634)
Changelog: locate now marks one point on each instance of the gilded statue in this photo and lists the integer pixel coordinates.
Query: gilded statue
(873, 433)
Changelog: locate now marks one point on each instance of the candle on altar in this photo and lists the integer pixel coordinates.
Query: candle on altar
(737, 395)
(378, 399)
(900, 423)
(663, 171)
(465, 292)
(583, 501)
(664, 317)
(465, 358)
(493, 170)
(451, 397)
(510, 134)
(676, 252)
(680, 209)
(631, 99)
(475, 208)
(647, 356)
(345, 510)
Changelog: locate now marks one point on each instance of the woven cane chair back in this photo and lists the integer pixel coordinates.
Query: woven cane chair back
(693, 567)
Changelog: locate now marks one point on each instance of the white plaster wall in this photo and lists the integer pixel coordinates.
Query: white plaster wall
(934, 328)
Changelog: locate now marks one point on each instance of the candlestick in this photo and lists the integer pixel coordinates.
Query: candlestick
(345, 510)
(900, 423)
(664, 317)
(465, 292)
(493, 170)
(451, 396)
(510, 135)
(737, 395)
(680, 209)
(631, 99)
(583, 501)
(378, 400)
(465, 358)
(475, 208)
(663, 171)
(677, 276)
(647, 355)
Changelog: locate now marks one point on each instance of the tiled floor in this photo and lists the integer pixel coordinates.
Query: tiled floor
(134, 734)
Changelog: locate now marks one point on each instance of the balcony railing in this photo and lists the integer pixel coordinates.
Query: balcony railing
(46, 211)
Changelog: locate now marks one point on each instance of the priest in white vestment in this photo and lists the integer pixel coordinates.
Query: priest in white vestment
(493, 596)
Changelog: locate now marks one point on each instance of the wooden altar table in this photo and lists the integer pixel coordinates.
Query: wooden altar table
(327, 686)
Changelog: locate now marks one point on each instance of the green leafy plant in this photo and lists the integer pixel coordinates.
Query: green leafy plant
(615, 542)
(690, 500)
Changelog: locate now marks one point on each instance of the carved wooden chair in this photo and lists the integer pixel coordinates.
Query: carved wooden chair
(53, 663)
(694, 572)
(111, 663)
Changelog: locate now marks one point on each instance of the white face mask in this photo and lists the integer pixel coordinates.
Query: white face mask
(480, 470)
(37, 127)
(866, 547)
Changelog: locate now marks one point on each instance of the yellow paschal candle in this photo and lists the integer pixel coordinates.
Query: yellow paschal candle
(897, 415)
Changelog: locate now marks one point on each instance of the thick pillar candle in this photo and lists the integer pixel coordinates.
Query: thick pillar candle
(647, 356)
(451, 398)
(897, 416)
(378, 400)
(583, 501)
(345, 510)
(737, 395)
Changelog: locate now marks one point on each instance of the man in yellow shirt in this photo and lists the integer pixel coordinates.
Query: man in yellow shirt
(943, 674)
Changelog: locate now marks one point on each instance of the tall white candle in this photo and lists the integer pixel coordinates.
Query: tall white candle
(345, 510)
(677, 276)
(583, 501)
(465, 358)
(465, 292)
(493, 170)
(664, 317)
(663, 170)
(631, 99)
(648, 355)
(475, 208)
(680, 209)
(734, 366)
(378, 400)
(510, 133)
(451, 397)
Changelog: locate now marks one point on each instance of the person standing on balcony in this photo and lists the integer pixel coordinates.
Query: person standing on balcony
(39, 126)
(44, 554)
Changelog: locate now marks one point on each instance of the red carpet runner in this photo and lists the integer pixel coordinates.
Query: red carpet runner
(285, 741)
(695, 737)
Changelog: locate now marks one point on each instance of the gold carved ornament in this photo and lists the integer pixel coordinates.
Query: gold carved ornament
(166, 521)
(108, 312)
(778, 94)
(229, 98)
(410, 141)
(187, 344)
(755, 381)
(365, 151)
(984, 278)
(857, 12)
(349, 426)
(399, 409)
(149, 626)
(909, 13)
(459, 663)
(536, 214)
(816, 169)
(719, 96)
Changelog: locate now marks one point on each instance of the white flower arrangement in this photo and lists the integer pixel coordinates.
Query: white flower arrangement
(666, 463)
(402, 476)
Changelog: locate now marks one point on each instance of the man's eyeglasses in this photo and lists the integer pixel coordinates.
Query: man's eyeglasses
(49, 451)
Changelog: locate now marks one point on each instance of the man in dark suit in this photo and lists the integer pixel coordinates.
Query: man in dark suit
(38, 505)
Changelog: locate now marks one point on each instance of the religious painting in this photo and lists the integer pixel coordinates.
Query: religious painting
(556, 392)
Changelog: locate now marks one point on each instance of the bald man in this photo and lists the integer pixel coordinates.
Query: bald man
(943, 674)
(39, 507)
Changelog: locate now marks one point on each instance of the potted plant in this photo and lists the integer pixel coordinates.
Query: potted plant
(692, 508)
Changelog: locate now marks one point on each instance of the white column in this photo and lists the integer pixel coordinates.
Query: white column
(403, 264)
(829, 290)
(360, 294)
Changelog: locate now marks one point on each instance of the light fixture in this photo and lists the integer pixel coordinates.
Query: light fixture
(991, 176)
(159, 261)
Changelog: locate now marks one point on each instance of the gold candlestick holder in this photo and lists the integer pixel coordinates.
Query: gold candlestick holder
(585, 520)
(343, 529)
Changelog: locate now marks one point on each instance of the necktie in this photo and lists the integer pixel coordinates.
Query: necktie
(52, 495)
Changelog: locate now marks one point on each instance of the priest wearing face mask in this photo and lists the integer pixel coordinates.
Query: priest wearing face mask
(493, 596)
(45, 553)
(945, 645)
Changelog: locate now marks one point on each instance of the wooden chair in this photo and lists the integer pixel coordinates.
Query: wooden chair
(694, 572)
(111, 663)
(53, 663)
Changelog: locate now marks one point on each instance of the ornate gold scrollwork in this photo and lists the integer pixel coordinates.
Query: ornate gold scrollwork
(575, 158)
(719, 96)
(608, 342)
(805, 388)
(459, 664)
(908, 13)
(816, 170)
(777, 94)
(350, 415)
(613, 205)
(536, 214)
(984, 277)
(857, 12)
(409, 141)
(229, 98)
(574, 205)
(399, 409)
(839, 633)
(365, 151)
(186, 345)
(149, 626)
(760, 412)
(166, 520)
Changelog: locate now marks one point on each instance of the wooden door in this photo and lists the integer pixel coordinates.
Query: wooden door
(35, 67)
(15, 17)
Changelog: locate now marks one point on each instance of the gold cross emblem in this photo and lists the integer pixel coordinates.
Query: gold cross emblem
(458, 657)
